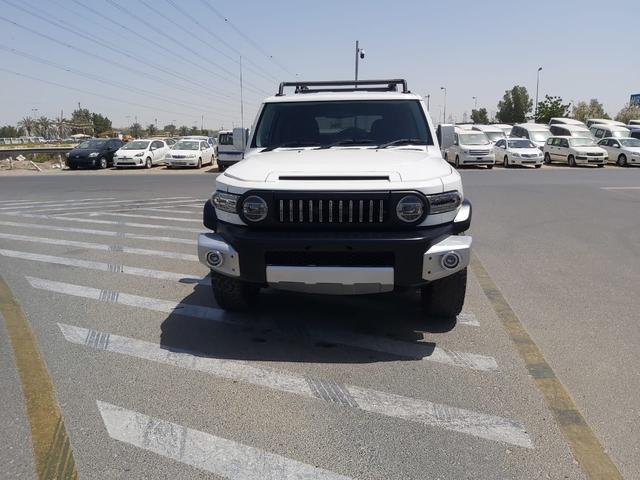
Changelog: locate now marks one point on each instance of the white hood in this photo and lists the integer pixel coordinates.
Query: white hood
(396, 164)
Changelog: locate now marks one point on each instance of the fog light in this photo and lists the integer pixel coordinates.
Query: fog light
(450, 260)
(214, 258)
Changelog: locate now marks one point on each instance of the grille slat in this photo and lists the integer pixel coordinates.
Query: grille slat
(337, 210)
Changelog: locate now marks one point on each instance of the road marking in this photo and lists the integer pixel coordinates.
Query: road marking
(425, 352)
(108, 222)
(51, 446)
(106, 202)
(137, 215)
(217, 455)
(466, 318)
(31, 202)
(586, 447)
(105, 206)
(100, 246)
(477, 424)
(620, 188)
(106, 233)
(168, 210)
(106, 267)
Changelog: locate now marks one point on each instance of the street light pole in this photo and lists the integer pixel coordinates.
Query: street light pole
(428, 102)
(537, 88)
(359, 55)
(444, 108)
(476, 102)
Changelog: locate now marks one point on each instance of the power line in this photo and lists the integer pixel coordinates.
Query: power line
(256, 45)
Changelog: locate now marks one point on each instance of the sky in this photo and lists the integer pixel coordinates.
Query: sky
(178, 61)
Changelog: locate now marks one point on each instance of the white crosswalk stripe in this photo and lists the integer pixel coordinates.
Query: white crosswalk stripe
(222, 457)
(104, 203)
(151, 217)
(151, 226)
(105, 233)
(105, 206)
(100, 246)
(37, 203)
(169, 210)
(106, 267)
(489, 427)
(426, 352)
(467, 318)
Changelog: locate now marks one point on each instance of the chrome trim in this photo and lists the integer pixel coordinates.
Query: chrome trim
(361, 211)
(340, 211)
(300, 203)
(432, 268)
(310, 211)
(211, 242)
(282, 210)
(381, 211)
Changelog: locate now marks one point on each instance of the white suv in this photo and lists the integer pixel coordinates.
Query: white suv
(342, 190)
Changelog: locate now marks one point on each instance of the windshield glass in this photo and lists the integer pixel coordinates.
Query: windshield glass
(620, 133)
(521, 143)
(539, 135)
(473, 139)
(92, 144)
(136, 145)
(582, 142)
(225, 139)
(630, 142)
(361, 122)
(186, 145)
(495, 136)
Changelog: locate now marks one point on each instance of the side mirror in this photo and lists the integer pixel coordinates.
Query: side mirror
(239, 139)
(152, 148)
(617, 146)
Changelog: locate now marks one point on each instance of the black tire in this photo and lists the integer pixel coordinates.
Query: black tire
(547, 158)
(199, 166)
(73, 167)
(233, 295)
(601, 165)
(457, 161)
(571, 161)
(148, 163)
(489, 167)
(622, 160)
(538, 166)
(506, 161)
(444, 298)
(103, 163)
(221, 168)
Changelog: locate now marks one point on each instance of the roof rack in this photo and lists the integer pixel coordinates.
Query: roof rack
(345, 86)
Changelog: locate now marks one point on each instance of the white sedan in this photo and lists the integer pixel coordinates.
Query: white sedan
(141, 153)
(517, 151)
(622, 151)
(190, 153)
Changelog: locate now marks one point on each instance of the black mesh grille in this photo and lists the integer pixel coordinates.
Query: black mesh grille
(354, 259)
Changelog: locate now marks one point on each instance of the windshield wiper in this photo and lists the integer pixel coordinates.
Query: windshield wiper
(346, 141)
(403, 141)
(289, 145)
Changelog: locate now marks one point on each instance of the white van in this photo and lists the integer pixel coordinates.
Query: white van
(504, 127)
(606, 131)
(470, 147)
(536, 132)
(603, 121)
(567, 130)
(228, 153)
(565, 121)
(493, 132)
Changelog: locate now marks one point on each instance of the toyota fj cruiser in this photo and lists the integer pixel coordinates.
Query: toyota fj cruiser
(342, 190)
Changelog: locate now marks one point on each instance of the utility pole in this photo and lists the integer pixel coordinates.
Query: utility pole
(444, 108)
(428, 102)
(202, 123)
(476, 102)
(241, 101)
(359, 56)
(537, 87)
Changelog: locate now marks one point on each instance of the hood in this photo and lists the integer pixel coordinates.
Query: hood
(590, 149)
(631, 149)
(129, 153)
(83, 152)
(396, 164)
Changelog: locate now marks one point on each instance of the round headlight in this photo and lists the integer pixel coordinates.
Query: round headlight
(410, 208)
(254, 208)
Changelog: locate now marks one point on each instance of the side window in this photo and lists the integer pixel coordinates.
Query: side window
(557, 142)
(516, 131)
(550, 141)
(599, 133)
(499, 143)
(614, 143)
(564, 143)
(157, 144)
(204, 145)
(605, 143)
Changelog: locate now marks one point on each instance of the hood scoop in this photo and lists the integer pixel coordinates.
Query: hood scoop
(316, 178)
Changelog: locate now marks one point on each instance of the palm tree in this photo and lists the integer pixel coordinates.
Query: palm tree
(27, 124)
(136, 130)
(61, 126)
(151, 129)
(43, 126)
(184, 130)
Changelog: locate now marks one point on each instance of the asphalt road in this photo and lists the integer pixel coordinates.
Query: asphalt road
(153, 381)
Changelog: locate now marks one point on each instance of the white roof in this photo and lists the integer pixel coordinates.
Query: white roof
(334, 96)
(608, 126)
(488, 128)
(224, 131)
(572, 127)
(565, 121)
(533, 126)
(605, 121)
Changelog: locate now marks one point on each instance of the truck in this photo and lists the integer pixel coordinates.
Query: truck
(342, 191)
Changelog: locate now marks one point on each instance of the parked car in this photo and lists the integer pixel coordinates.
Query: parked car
(94, 152)
(634, 131)
(536, 132)
(634, 122)
(622, 151)
(228, 154)
(189, 153)
(470, 147)
(603, 121)
(565, 121)
(170, 141)
(492, 132)
(210, 140)
(567, 130)
(141, 153)
(504, 127)
(517, 151)
(603, 131)
(574, 151)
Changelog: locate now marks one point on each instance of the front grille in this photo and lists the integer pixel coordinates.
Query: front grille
(530, 155)
(478, 152)
(332, 210)
(330, 259)
(594, 154)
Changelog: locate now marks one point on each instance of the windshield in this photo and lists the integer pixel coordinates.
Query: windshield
(521, 143)
(630, 142)
(539, 135)
(361, 122)
(136, 145)
(225, 139)
(187, 145)
(582, 142)
(473, 139)
(495, 136)
(91, 144)
(620, 133)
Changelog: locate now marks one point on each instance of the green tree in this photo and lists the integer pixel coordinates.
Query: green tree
(61, 126)
(194, 131)
(170, 129)
(43, 126)
(136, 130)
(551, 107)
(151, 129)
(594, 109)
(100, 123)
(628, 112)
(9, 131)
(183, 130)
(514, 106)
(27, 124)
(480, 116)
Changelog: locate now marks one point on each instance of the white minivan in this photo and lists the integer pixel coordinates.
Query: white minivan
(492, 132)
(606, 131)
(567, 130)
(536, 132)
(603, 121)
(574, 151)
(565, 121)
(470, 147)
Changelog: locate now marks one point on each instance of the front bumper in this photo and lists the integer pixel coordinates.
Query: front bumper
(83, 162)
(182, 162)
(585, 160)
(339, 262)
(129, 162)
(477, 160)
(525, 160)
